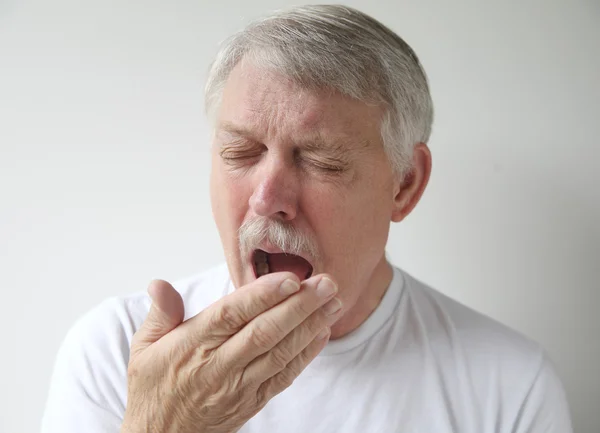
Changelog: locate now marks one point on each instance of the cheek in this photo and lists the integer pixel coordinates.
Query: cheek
(351, 219)
(229, 199)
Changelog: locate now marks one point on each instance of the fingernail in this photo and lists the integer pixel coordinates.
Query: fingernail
(332, 306)
(323, 334)
(288, 287)
(326, 288)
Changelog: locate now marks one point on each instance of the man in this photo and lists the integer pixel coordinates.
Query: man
(321, 117)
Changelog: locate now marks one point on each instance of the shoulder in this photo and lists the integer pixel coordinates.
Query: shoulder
(503, 366)
(451, 321)
(469, 345)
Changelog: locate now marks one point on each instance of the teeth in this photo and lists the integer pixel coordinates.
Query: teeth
(261, 262)
(262, 268)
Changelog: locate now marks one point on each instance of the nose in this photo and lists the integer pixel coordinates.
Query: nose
(276, 190)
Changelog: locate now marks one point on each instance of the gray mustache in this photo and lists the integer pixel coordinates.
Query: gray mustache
(284, 236)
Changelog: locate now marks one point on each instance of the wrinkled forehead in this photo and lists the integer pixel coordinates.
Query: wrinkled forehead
(272, 104)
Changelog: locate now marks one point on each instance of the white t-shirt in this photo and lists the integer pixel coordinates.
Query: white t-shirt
(421, 362)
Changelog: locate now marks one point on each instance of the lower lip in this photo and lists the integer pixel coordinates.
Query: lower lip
(252, 270)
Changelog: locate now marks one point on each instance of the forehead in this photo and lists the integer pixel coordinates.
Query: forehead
(272, 105)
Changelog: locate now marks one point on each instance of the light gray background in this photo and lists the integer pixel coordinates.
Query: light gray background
(104, 167)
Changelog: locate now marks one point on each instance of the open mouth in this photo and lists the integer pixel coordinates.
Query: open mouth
(265, 263)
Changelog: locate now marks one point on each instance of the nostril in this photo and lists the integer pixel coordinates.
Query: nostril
(274, 201)
(284, 216)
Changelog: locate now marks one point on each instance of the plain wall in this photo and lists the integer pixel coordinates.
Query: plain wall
(105, 158)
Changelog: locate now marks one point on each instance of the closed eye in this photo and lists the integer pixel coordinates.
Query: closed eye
(327, 167)
(230, 155)
(239, 153)
(323, 163)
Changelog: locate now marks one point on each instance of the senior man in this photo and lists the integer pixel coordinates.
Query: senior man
(321, 117)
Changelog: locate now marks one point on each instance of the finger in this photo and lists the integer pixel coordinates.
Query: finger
(269, 328)
(166, 313)
(282, 380)
(277, 359)
(232, 312)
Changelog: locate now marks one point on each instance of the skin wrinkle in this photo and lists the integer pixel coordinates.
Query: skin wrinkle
(338, 148)
(339, 48)
(234, 139)
(337, 158)
(343, 214)
(274, 189)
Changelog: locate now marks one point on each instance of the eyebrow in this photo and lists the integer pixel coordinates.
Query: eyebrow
(316, 142)
(232, 128)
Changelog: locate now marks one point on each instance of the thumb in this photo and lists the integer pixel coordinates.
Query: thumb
(166, 313)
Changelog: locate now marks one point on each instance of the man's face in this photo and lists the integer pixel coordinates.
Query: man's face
(313, 162)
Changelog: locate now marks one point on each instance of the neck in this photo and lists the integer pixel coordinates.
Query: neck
(359, 308)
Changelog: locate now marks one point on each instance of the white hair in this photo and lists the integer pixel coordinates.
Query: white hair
(280, 234)
(338, 48)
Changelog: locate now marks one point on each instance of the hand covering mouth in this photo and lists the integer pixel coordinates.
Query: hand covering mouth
(265, 263)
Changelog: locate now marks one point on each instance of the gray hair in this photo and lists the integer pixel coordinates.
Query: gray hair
(338, 48)
(278, 233)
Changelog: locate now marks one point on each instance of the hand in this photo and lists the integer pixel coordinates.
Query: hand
(212, 373)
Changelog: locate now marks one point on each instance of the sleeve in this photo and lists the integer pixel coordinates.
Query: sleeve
(545, 409)
(88, 388)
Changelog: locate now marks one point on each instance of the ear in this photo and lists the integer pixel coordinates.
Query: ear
(408, 190)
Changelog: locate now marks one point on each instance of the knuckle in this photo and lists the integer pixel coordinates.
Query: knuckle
(280, 358)
(263, 395)
(315, 324)
(217, 410)
(300, 309)
(228, 316)
(298, 364)
(139, 369)
(286, 378)
(199, 374)
(205, 370)
(263, 334)
(133, 371)
(260, 303)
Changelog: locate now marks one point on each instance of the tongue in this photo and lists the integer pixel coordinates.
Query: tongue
(291, 263)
